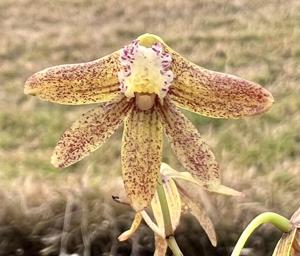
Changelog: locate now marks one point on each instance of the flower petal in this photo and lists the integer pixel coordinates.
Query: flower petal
(173, 201)
(189, 147)
(89, 132)
(215, 94)
(141, 156)
(161, 246)
(199, 212)
(216, 188)
(83, 83)
(135, 224)
(152, 225)
(289, 243)
(284, 245)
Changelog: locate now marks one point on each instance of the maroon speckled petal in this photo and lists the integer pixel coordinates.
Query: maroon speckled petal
(82, 83)
(141, 155)
(215, 94)
(188, 145)
(89, 132)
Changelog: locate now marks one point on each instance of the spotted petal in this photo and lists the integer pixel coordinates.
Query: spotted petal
(198, 210)
(89, 132)
(141, 156)
(83, 83)
(215, 94)
(188, 145)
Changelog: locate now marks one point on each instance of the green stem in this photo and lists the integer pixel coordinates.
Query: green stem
(164, 208)
(277, 220)
(167, 219)
(174, 246)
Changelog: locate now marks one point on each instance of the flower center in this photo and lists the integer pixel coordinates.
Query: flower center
(145, 73)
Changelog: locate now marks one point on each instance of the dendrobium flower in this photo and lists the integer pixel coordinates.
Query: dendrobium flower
(179, 200)
(289, 244)
(142, 85)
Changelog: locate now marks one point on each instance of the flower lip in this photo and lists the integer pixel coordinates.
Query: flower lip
(145, 70)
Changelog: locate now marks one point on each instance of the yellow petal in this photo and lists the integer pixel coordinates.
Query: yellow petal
(221, 189)
(167, 170)
(141, 156)
(89, 132)
(199, 212)
(83, 83)
(173, 201)
(188, 145)
(152, 225)
(161, 246)
(135, 224)
(215, 94)
(284, 246)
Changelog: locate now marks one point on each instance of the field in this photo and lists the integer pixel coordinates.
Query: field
(257, 40)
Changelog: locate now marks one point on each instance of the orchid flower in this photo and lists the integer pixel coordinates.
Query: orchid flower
(142, 85)
(178, 200)
(289, 244)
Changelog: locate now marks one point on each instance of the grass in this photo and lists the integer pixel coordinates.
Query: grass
(255, 40)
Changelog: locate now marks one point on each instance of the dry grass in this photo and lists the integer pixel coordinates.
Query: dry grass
(253, 39)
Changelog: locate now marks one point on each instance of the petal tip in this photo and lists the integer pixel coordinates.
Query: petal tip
(214, 243)
(56, 162)
(221, 189)
(269, 102)
(29, 88)
(123, 237)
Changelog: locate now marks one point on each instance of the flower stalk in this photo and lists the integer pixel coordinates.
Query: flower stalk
(167, 219)
(164, 207)
(277, 220)
(174, 246)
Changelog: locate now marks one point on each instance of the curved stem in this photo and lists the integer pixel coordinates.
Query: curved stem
(174, 246)
(277, 220)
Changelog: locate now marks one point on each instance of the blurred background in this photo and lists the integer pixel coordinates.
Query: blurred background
(47, 211)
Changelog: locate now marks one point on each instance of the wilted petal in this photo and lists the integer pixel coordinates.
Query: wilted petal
(152, 225)
(141, 156)
(161, 246)
(289, 244)
(173, 201)
(198, 210)
(216, 188)
(189, 147)
(284, 246)
(215, 94)
(89, 132)
(83, 83)
(135, 224)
